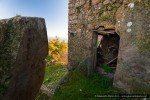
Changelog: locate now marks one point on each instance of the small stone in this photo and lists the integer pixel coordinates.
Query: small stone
(106, 2)
(94, 2)
(109, 8)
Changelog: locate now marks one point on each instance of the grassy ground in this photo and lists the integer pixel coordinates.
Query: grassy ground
(78, 87)
(81, 87)
(53, 73)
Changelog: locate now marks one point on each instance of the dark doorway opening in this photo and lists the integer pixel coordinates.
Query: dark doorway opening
(107, 51)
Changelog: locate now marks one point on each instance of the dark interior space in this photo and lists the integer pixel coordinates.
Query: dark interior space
(107, 50)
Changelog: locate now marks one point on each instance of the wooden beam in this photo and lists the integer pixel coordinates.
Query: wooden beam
(104, 32)
(111, 60)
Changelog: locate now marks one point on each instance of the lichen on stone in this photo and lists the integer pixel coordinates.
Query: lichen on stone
(129, 30)
(131, 5)
(8, 52)
(40, 24)
(143, 41)
(129, 24)
(6, 58)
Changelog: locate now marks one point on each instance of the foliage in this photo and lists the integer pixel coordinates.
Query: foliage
(55, 65)
(80, 87)
(143, 42)
(58, 51)
(2, 89)
(107, 68)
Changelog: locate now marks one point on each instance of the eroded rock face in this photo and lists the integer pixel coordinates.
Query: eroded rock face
(23, 48)
(133, 69)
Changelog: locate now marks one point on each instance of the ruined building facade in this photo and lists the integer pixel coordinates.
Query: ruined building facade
(129, 19)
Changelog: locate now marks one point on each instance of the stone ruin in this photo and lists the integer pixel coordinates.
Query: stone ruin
(129, 20)
(23, 48)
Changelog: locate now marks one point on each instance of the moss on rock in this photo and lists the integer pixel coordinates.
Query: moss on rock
(143, 42)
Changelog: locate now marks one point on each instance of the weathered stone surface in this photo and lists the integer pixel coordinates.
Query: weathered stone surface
(134, 55)
(95, 2)
(23, 48)
(130, 19)
(106, 2)
(86, 17)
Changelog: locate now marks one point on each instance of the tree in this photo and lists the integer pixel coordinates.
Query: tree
(58, 51)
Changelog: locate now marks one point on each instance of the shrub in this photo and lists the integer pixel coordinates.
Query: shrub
(58, 52)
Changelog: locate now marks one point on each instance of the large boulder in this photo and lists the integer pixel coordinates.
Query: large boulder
(23, 48)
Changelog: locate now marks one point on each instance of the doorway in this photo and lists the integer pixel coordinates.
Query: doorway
(106, 51)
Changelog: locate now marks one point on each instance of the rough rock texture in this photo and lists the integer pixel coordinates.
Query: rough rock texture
(23, 48)
(84, 16)
(133, 26)
(130, 20)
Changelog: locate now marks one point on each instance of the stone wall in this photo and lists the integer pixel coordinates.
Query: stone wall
(133, 69)
(130, 20)
(84, 16)
(23, 48)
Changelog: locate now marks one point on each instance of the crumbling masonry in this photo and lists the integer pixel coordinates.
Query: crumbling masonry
(130, 20)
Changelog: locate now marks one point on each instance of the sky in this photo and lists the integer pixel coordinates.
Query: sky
(55, 13)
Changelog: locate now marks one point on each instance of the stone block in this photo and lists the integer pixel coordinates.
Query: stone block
(23, 48)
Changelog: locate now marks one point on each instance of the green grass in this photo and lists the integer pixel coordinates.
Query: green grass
(107, 68)
(53, 73)
(78, 86)
(42, 96)
(81, 87)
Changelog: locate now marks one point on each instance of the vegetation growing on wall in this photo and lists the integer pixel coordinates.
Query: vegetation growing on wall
(105, 18)
(143, 42)
(78, 9)
(6, 58)
(3, 89)
(107, 68)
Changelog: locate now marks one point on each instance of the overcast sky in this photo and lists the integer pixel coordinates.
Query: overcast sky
(55, 13)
